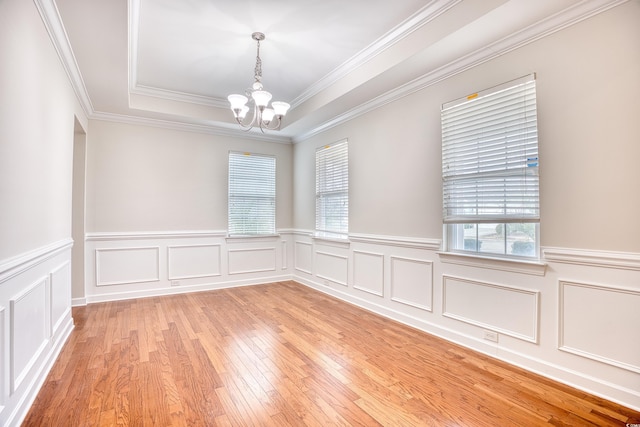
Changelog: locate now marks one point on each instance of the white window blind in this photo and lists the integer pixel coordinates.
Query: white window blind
(252, 194)
(332, 190)
(490, 156)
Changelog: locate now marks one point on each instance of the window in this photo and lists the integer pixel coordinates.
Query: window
(490, 171)
(332, 191)
(252, 194)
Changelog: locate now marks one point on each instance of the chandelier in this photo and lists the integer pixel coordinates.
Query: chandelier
(257, 99)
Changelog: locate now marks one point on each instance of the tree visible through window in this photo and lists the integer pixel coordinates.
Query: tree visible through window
(490, 171)
(332, 190)
(252, 194)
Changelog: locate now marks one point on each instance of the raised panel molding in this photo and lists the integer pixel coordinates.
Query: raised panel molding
(118, 266)
(614, 341)
(504, 309)
(368, 272)
(303, 257)
(193, 261)
(332, 267)
(2, 360)
(28, 326)
(412, 282)
(251, 260)
(60, 296)
(285, 245)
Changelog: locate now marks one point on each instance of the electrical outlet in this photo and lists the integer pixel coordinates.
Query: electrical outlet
(175, 283)
(490, 336)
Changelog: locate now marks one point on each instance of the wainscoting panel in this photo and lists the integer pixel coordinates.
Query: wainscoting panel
(503, 309)
(193, 261)
(60, 297)
(29, 329)
(601, 323)
(35, 321)
(252, 260)
(117, 266)
(412, 282)
(303, 257)
(3, 353)
(368, 272)
(332, 267)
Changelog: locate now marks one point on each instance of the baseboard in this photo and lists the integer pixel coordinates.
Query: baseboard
(575, 379)
(120, 296)
(23, 406)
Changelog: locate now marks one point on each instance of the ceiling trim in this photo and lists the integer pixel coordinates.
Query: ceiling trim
(189, 127)
(178, 96)
(425, 15)
(50, 16)
(543, 28)
(138, 89)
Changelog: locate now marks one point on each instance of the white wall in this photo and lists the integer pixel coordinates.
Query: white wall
(573, 318)
(37, 110)
(159, 196)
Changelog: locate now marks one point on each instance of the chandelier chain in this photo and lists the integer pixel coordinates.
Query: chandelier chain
(258, 69)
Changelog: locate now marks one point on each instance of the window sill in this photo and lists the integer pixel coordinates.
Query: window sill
(524, 266)
(332, 241)
(238, 238)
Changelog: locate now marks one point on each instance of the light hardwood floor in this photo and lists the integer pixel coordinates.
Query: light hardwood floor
(284, 355)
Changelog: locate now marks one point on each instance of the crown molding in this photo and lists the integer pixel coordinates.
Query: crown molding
(218, 130)
(554, 23)
(53, 23)
(178, 96)
(414, 22)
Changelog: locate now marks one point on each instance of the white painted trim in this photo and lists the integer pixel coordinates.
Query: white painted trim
(582, 353)
(425, 15)
(142, 235)
(251, 239)
(212, 245)
(562, 374)
(176, 290)
(406, 242)
(284, 254)
(16, 378)
(536, 321)
(219, 129)
(56, 323)
(23, 406)
(124, 249)
(271, 249)
(548, 26)
(14, 266)
(295, 258)
(361, 288)
(173, 95)
(405, 302)
(78, 302)
(58, 35)
(328, 254)
(3, 355)
(534, 268)
(621, 260)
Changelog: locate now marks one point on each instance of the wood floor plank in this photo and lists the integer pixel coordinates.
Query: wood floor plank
(282, 355)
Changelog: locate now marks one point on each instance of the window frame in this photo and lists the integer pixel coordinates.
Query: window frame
(332, 186)
(490, 171)
(236, 192)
